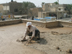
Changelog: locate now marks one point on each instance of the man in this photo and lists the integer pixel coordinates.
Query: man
(32, 17)
(31, 31)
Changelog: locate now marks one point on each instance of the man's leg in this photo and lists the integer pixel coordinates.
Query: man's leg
(30, 34)
(37, 34)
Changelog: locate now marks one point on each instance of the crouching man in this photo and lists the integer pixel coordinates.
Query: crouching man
(31, 31)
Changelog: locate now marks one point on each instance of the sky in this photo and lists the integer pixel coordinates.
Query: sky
(38, 2)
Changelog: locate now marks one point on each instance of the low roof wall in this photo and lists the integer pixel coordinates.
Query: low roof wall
(38, 23)
(9, 22)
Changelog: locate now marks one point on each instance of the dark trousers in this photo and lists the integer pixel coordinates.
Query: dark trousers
(37, 34)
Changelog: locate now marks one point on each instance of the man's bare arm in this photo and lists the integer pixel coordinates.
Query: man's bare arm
(25, 34)
(33, 35)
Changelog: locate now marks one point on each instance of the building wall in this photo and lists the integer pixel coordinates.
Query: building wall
(14, 7)
(35, 11)
(52, 7)
(39, 14)
(11, 8)
(61, 9)
(6, 8)
(1, 8)
(43, 7)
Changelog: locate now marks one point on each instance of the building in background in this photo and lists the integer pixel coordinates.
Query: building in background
(10, 8)
(1, 8)
(51, 9)
(34, 11)
(47, 9)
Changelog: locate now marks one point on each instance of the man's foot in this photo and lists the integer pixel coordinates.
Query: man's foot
(38, 41)
(23, 40)
(38, 38)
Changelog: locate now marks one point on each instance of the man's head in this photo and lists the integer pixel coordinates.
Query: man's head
(28, 24)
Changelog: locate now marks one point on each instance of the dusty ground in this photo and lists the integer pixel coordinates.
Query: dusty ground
(8, 43)
(53, 41)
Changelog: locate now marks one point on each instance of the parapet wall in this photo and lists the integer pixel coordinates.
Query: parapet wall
(10, 22)
(52, 24)
(65, 24)
(38, 23)
(49, 24)
(42, 24)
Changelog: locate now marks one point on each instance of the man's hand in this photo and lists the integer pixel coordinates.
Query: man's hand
(24, 39)
(32, 37)
(29, 41)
